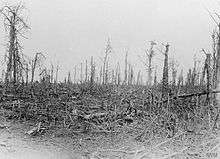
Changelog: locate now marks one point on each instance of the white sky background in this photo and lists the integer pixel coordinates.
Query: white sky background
(70, 31)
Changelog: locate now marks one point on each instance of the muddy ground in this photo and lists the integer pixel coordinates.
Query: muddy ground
(15, 144)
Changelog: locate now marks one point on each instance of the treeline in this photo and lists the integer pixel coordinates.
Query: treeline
(21, 69)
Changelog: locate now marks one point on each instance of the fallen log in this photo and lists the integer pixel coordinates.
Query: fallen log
(192, 94)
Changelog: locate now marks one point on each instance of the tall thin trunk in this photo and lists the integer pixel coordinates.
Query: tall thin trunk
(165, 86)
(57, 70)
(86, 72)
(138, 78)
(81, 72)
(214, 77)
(155, 77)
(218, 59)
(75, 72)
(26, 71)
(51, 75)
(126, 68)
(69, 78)
(12, 57)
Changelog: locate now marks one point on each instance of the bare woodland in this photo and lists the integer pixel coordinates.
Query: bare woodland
(114, 102)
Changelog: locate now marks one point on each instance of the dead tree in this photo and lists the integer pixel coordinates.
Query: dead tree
(113, 76)
(126, 68)
(180, 81)
(52, 74)
(27, 72)
(106, 72)
(81, 73)
(118, 74)
(174, 66)
(75, 73)
(108, 50)
(16, 27)
(155, 77)
(214, 78)
(130, 74)
(217, 73)
(92, 72)
(218, 59)
(165, 82)
(56, 74)
(36, 62)
(69, 78)
(100, 75)
(150, 54)
(138, 78)
(86, 72)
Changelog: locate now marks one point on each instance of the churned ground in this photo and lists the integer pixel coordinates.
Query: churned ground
(15, 144)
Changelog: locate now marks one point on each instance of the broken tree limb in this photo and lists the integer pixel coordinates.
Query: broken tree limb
(35, 130)
(193, 94)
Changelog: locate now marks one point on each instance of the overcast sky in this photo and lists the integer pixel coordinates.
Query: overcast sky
(70, 31)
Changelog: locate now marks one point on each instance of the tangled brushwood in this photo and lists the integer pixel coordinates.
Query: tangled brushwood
(104, 99)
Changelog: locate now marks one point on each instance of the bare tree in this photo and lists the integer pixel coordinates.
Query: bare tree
(92, 72)
(118, 74)
(36, 62)
(108, 50)
(52, 73)
(86, 72)
(173, 66)
(16, 27)
(75, 74)
(150, 54)
(69, 78)
(81, 72)
(155, 77)
(138, 78)
(218, 58)
(56, 75)
(126, 68)
(165, 86)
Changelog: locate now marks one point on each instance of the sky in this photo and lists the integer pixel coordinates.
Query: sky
(70, 31)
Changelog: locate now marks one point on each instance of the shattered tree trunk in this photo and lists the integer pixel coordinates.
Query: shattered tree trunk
(138, 78)
(180, 82)
(208, 77)
(165, 84)
(69, 78)
(155, 77)
(11, 53)
(126, 68)
(86, 72)
(150, 57)
(26, 72)
(150, 70)
(218, 60)
(81, 73)
(106, 72)
(118, 74)
(105, 62)
(214, 77)
(74, 78)
(33, 67)
(51, 74)
(16, 25)
(217, 84)
(208, 87)
(57, 70)
(92, 72)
